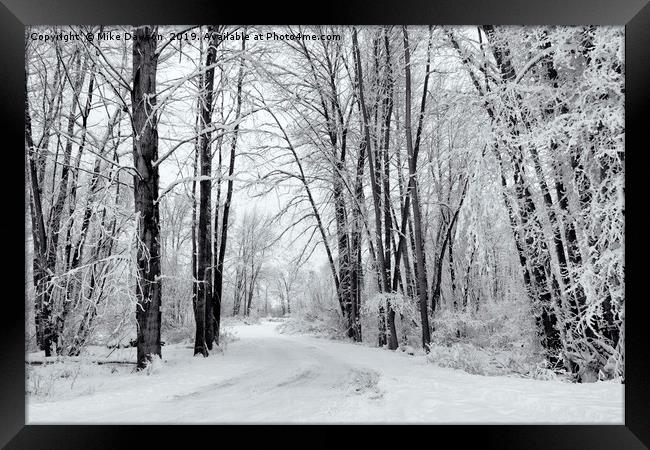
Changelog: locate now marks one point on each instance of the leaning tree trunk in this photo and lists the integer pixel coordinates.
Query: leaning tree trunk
(534, 242)
(321, 228)
(531, 248)
(145, 189)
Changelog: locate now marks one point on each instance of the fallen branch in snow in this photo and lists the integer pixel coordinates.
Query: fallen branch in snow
(39, 362)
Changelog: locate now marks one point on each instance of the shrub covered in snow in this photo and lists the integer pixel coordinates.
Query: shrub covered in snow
(226, 337)
(67, 377)
(328, 325)
(181, 334)
(487, 361)
(496, 338)
(460, 356)
(153, 366)
(498, 325)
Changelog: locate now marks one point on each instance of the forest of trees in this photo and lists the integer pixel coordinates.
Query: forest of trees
(406, 181)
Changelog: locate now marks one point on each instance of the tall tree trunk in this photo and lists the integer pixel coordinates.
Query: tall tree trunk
(145, 183)
(193, 233)
(406, 227)
(385, 287)
(356, 280)
(417, 218)
(48, 321)
(204, 312)
(218, 279)
(388, 225)
(288, 300)
(39, 237)
(215, 235)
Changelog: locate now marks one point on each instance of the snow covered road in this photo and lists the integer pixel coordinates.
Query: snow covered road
(267, 377)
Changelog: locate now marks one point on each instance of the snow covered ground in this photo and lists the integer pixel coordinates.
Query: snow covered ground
(267, 377)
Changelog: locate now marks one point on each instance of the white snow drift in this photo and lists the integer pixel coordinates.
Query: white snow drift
(268, 377)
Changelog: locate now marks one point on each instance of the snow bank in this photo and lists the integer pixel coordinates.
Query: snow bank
(268, 377)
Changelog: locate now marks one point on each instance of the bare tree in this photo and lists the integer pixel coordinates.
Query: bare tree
(145, 182)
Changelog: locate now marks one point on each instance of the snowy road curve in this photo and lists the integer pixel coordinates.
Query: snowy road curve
(267, 377)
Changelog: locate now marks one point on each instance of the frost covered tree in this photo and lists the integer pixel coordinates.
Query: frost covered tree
(145, 190)
(430, 187)
(549, 101)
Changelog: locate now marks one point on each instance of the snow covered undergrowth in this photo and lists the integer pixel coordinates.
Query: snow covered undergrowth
(320, 325)
(481, 350)
(265, 376)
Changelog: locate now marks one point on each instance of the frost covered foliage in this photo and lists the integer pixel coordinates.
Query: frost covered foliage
(401, 304)
(499, 338)
(497, 325)
(178, 334)
(66, 377)
(94, 301)
(315, 309)
(329, 326)
(494, 337)
(571, 132)
(480, 361)
(226, 337)
(458, 186)
(373, 313)
(554, 97)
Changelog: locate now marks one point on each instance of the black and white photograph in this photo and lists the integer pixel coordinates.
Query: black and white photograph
(371, 224)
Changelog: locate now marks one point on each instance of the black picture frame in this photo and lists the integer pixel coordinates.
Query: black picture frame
(15, 14)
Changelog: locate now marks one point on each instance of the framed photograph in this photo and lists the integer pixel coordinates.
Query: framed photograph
(387, 214)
